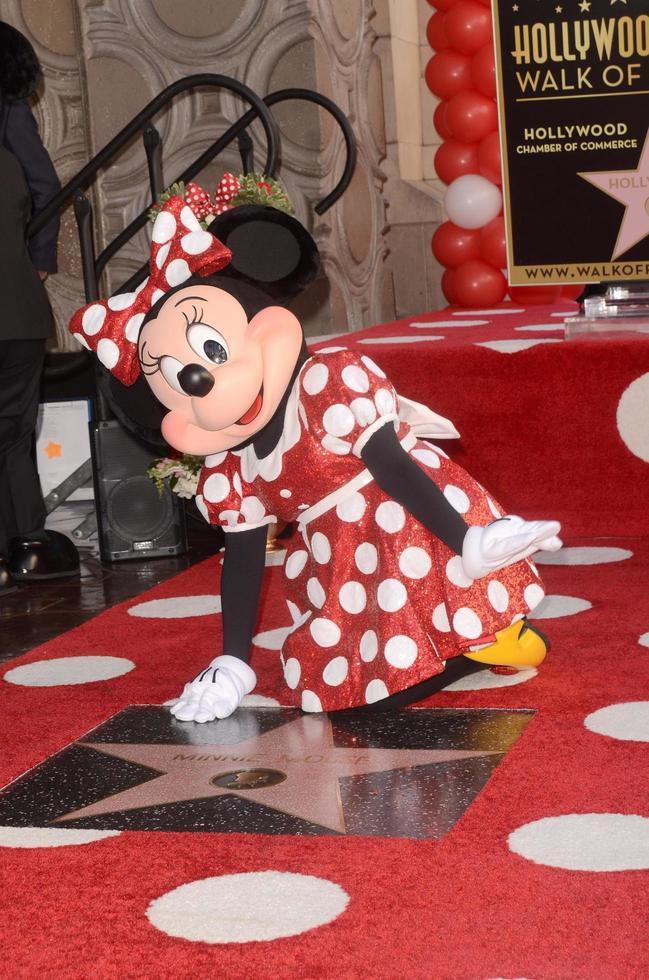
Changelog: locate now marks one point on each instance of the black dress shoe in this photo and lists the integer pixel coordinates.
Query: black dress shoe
(54, 556)
(7, 583)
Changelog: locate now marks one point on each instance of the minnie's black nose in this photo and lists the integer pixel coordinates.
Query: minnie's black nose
(195, 380)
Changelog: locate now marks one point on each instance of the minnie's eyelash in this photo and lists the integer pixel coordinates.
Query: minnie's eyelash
(197, 318)
(153, 362)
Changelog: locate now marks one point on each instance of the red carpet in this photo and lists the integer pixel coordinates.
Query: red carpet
(564, 899)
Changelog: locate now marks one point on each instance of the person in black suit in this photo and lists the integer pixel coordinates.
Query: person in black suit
(27, 182)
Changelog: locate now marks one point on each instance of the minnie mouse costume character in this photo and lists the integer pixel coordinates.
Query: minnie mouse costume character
(402, 560)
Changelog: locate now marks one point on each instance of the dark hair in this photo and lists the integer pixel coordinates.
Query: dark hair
(20, 70)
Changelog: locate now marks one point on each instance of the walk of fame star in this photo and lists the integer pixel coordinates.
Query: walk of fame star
(271, 771)
(631, 188)
(301, 753)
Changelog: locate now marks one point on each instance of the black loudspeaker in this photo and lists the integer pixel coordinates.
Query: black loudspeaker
(133, 519)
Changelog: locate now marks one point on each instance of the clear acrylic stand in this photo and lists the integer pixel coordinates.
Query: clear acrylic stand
(621, 312)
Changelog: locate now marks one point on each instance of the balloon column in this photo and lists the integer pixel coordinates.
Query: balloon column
(462, 74)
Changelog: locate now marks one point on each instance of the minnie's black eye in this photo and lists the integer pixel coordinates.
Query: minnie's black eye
(208, 343)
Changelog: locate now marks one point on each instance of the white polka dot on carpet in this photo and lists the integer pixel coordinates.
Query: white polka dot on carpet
(585, 841)
(628, 721)
(28, 837)
(582, 556)
(248, 907)
(177, 607)
(68, 670)
(514, 346)
(436, 324)
(632, 417)
(487, 680)
(644, 640)
(556, 606)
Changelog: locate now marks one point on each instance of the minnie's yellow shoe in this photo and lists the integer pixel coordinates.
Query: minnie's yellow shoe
(520, 645)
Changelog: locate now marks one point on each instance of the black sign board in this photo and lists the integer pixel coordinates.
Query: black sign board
(574, 113)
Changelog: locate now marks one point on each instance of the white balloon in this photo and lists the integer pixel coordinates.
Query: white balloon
(472, 201)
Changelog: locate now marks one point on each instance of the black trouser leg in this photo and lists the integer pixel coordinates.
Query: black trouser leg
(455, 668)
(22, 511)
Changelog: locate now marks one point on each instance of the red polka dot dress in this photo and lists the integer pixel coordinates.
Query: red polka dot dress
(377, 603)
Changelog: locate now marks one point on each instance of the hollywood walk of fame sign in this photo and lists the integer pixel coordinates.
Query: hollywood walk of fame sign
(573, 95)
(274, 771)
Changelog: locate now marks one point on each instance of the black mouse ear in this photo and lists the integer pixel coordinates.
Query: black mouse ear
(269, 248)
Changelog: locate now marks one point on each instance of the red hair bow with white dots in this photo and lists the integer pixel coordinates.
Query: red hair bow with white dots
(180, 248)
(204, 206)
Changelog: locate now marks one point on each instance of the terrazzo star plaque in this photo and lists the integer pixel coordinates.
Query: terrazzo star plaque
(274, 771)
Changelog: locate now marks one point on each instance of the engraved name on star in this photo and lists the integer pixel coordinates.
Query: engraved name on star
(294, 769)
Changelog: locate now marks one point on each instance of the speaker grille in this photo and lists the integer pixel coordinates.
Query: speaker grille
(136, 511)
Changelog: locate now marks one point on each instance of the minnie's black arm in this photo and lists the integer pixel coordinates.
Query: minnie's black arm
(243, 569)
(402, 480)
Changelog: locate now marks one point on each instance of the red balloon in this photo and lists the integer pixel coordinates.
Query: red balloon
(440, 121)
(468, 26)
(453, 245)
(448, 286)
(478, 284)
(471, 116)
(453, 159)
(493, 248)
(448, 73)
(483, 71)
(534, 295)
(571, 292)
(489, 164)
(436, 33)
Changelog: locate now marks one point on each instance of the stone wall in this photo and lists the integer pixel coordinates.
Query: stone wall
(105, 59)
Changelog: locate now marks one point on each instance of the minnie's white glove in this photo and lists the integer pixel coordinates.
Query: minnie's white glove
(216, 692)
(506, 541)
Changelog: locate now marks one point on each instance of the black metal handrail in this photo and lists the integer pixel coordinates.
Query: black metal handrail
(140, 122)
(239, 129)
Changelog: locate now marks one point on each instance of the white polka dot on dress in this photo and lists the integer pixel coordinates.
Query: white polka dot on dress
(414, 562)
(335, 673)
(320, 548)
(366, 558)
(498, 596)
(355, 378)
(216, 488)
(352, 509)
(427, 457)
(384, 401)
(467, 623)
(201, 506)
(340, 447)
(401, 651)
(455, 573)
(391, 595)
(295, 564)
(390, 516)
(457, 498)
(316, 593)
(440, 619)
(374, 368)
(338, 420)
(315, 379)
(375, 691)
(292, 672)
(533, 595)
(252, 510)
(311, 701)
(369, 646)
(352, 597)
(364, 411)
(325, 632)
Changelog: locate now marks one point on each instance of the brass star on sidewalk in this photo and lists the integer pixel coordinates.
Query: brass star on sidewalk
(294, 769)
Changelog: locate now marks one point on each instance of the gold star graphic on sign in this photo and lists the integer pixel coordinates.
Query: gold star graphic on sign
(294, 769)
(53, 450)
(515, 8)
(584, 6)
(558, 10)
